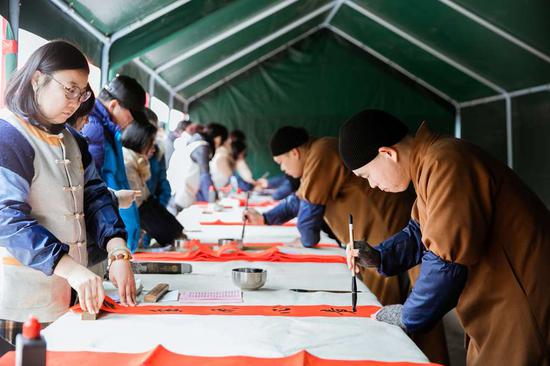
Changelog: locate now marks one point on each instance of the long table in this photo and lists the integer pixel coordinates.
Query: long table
(337, 338)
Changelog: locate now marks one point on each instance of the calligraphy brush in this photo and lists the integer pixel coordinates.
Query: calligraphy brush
(353, 278)
(244, 221)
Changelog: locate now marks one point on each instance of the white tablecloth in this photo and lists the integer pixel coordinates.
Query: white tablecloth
(260, 336)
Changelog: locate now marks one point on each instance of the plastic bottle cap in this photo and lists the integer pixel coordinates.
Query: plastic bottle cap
(31, 328)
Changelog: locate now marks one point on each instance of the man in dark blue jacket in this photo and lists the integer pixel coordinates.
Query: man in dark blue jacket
(118, 104)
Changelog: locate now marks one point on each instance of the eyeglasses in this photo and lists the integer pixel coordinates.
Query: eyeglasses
(74, 92)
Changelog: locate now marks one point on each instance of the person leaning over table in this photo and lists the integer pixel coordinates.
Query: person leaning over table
(189, 169)
(52, 196)
(482, 236)
(329, 191)
(119, 103)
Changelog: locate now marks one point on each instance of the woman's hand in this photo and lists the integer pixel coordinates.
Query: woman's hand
(126, 197)
(121, 275)
(87, 284)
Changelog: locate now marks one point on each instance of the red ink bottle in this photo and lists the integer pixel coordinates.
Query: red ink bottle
(30, 347)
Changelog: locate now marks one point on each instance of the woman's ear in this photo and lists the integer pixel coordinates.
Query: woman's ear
(35, 81)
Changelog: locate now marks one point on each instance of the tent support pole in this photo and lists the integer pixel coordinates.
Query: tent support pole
(245, 51)
(513, 94)
(496, 30)
(509, 132)
(228, 33)
(392, 64)
(458, 123)
(425, 47)
(242, 70)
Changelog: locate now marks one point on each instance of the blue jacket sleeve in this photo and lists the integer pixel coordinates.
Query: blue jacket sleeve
(284, 189)
(201, 156)
(24, 238)
(109, 167)
(286, 210)
(436, 291)
(243, 185)
(95, 135)
(163, 192)
(100, 210)
(402, 251)
(130, 216)
(310, 220)
(275, 182)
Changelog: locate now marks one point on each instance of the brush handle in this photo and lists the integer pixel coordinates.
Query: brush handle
(350, 225)
(353, 294)
(244, 221)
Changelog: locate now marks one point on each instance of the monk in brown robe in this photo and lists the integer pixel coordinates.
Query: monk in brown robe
(482, 236)
(329, 190)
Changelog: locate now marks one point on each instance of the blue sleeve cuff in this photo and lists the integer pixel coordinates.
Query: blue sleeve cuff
(286, 210)
(310, 221)
(436, 292)
(284, 190)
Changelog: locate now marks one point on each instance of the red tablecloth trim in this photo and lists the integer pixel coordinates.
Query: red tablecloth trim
(242, 203)
(160, 356)
(299, 311)
(229, 252)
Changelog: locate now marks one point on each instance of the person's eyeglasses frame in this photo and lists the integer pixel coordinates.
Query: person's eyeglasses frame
(82, 96)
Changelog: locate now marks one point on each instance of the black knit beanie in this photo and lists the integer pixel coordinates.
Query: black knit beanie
(363, 134)
(287, 138)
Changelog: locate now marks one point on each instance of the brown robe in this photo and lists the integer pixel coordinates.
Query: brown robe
(474, 211)
(376, 215)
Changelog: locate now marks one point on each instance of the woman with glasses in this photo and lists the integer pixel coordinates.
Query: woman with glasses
(52, 196)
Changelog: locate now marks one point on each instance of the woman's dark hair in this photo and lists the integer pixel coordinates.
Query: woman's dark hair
(53, 56)
(139, 136)
(151, 116)
(84, 109)
(237, 147)
(214, 130)
(237, 135)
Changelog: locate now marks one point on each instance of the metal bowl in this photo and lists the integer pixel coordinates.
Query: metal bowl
(249, 278)
(224, 241)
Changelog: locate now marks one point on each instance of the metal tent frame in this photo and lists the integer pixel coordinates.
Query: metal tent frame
(333, 8)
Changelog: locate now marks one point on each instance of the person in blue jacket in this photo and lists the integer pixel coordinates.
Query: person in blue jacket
(118, 104)
(52, 196)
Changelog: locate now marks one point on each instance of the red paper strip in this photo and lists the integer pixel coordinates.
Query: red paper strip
(160, 356)
(242, 203)
(239, 223)
(9, 46)
(270, 245)
(204, 253)
(272, 310)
